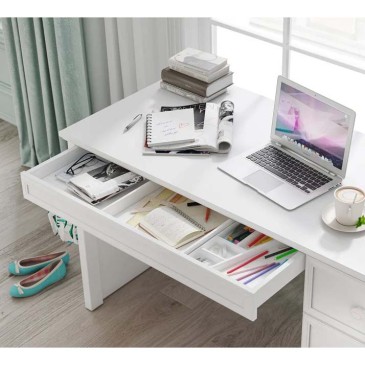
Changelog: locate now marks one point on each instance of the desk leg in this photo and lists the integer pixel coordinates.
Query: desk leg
(104, 269)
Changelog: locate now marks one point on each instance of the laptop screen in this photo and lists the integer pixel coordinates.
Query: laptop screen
(316, 128)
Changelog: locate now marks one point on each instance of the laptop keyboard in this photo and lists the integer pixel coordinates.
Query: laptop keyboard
(289, 169)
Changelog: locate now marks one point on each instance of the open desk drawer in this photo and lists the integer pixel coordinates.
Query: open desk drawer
(108, 221)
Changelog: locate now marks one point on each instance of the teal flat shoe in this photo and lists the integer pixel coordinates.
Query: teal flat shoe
(33, 264)
(39, 281)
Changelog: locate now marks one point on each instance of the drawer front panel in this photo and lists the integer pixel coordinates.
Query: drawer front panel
(338, 296)
(322, 335)
(104, 222)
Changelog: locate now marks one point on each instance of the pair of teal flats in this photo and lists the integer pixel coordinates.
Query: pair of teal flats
(43, 270)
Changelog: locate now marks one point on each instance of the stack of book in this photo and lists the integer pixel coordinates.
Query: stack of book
(197, 75)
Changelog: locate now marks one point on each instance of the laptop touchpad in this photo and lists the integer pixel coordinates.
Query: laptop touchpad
(262, 181)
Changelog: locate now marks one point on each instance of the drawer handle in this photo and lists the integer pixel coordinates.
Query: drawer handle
(358, 312)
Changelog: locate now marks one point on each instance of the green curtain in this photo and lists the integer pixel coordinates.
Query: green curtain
(49, 81)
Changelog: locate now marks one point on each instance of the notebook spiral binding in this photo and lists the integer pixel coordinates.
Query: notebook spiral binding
(149, 128)
(191, 220)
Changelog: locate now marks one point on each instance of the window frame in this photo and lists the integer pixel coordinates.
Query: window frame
(285, 44)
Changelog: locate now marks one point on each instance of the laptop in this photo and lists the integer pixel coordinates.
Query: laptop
(308, 151)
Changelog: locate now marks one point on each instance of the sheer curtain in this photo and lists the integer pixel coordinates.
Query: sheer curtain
(130, 52)
(66, 69)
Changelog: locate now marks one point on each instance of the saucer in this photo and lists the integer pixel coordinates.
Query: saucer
(329, 217)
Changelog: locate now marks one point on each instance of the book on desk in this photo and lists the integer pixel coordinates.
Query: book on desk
(197, 75)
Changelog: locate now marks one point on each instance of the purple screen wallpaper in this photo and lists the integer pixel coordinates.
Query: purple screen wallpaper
(316, 127)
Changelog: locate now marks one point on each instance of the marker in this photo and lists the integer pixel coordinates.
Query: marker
(293, 250)
(278, 252)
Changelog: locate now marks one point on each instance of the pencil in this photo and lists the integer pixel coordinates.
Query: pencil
(262, 272)
(269, 268)
(256, 271)
(207, 214)
(263, 240)
(248, 261)
(247, 270)
(256, 240)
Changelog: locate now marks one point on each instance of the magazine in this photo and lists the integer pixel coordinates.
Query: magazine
(213, 129)
(103, 182)
(95, 180)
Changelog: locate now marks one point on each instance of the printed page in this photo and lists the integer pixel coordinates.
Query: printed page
(225, 128)
(172, 127)
(167, 225)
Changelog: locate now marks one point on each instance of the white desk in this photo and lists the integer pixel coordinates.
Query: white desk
(199, 179)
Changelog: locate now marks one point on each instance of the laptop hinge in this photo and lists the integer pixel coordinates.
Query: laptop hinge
(308, 161)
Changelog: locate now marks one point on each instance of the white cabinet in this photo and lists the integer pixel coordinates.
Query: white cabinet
(334, 307)
(107, 223)
(319, 334)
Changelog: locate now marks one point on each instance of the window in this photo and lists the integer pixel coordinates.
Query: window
(324, 54)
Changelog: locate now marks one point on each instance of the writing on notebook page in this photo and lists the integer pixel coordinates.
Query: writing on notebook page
(171, 127)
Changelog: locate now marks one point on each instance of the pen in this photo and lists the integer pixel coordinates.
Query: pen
(192, 204)
(248, 261)
(207, 214)
(278, 252)
(237, 232)
(286, 254)
(242, 236)
(132, 123)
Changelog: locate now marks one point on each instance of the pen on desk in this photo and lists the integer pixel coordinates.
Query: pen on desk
(132, 123)
(207, 214)
(248, 261)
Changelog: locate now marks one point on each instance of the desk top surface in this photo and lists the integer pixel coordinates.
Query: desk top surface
(198, 177)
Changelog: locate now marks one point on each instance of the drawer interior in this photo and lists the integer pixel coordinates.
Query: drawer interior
(223, 256)
(125, 208)
(58, 165)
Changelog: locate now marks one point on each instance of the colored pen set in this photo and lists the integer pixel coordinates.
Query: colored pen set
(253, 273)
(241, 232)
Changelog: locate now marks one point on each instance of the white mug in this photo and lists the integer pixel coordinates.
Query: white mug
(349, 204)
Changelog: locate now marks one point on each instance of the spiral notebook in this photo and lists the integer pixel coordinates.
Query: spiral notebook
(178, 225)
(172, 127)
